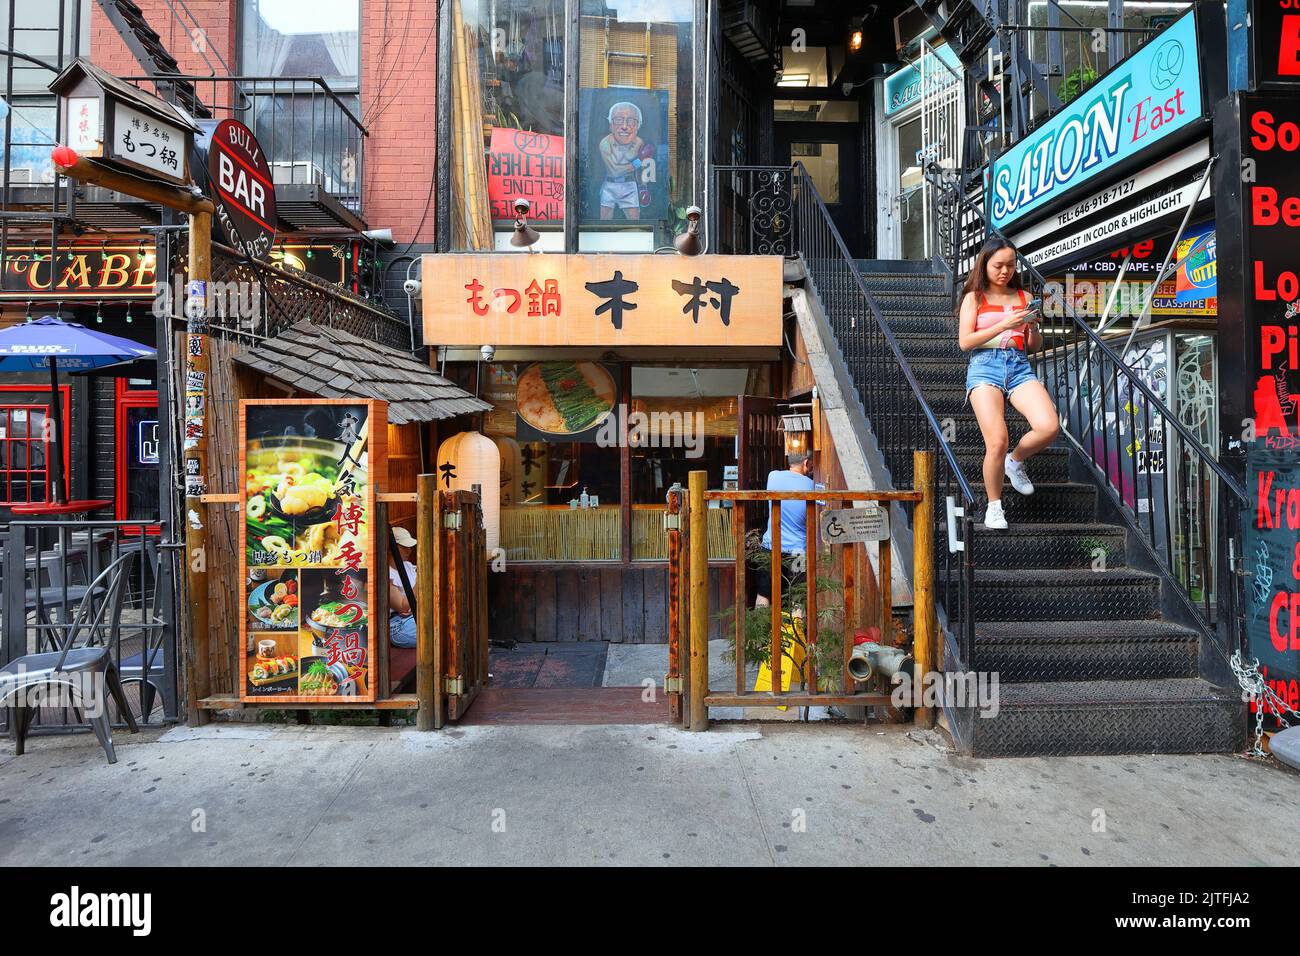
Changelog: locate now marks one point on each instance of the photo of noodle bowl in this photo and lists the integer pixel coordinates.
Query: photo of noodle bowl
(565, 398)
(290, 484)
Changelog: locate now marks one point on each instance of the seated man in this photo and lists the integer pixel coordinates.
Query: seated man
(794, 531)
(401, 622)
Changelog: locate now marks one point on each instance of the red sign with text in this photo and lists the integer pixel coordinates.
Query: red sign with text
(526, 165)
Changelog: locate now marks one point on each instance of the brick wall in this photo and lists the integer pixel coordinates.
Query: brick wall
(398, 87)
(216, 19)
(398, 101)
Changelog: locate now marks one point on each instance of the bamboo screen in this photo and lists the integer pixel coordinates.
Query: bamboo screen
(650, 542)
(550, 533)
(471, 211)
(614, 54)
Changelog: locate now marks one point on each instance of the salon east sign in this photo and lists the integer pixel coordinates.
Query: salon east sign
(521, 299)
(1143, 102)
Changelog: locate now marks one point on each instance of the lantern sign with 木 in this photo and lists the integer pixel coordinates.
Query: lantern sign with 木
(851, 525)
(308, 560)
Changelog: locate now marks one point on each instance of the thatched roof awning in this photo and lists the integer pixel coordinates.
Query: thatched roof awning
(331, 363)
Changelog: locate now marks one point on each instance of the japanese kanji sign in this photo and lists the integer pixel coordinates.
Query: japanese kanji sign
(520, 299)
(144, 140)
(308, 562)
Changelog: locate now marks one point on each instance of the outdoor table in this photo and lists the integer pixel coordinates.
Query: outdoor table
(41, 509)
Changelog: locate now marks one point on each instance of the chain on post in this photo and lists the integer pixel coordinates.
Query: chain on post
(1254, 688)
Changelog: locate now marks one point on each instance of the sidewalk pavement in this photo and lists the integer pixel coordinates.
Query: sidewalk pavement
(749, 794)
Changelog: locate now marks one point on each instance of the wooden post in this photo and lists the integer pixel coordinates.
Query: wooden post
(741, 594)
(777, 568)
(427, 609)
(810, 606)
(923, 615)
(699, 551)
(195, 445)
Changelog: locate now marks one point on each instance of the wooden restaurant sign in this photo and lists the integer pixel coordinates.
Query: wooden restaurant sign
(521, 299)
(308, 561)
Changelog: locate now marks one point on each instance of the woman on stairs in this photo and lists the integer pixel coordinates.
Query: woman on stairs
(996, 325)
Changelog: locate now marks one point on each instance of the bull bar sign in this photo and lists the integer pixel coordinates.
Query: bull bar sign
(242, 189)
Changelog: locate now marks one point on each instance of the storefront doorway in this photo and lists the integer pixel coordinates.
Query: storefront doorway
(832, 154)
(923, 119)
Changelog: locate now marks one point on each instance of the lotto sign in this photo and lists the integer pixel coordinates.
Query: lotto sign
(242, 189)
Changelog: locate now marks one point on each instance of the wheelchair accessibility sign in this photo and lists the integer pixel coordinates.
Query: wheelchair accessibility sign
(850, 525)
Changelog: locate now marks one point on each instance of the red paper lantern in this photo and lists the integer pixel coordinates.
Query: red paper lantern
(64, 156)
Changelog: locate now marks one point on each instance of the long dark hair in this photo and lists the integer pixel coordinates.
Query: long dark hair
(978, 280)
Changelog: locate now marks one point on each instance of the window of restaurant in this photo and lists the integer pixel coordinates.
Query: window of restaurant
(564, 496)
(635, 117)
(137, 449)
(299, 127)
(630, 119)
(26, 432)
(507, 107)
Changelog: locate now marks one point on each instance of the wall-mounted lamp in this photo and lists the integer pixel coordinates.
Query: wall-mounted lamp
(688, 243)
(525, 235)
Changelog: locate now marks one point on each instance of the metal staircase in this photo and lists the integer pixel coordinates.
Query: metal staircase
(1086, 662)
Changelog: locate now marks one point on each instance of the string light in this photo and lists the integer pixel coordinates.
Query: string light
(28, 317)
(99, 315)
(129, 320)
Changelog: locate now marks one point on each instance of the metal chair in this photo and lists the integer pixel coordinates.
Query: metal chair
(146, 666)
(82, 664)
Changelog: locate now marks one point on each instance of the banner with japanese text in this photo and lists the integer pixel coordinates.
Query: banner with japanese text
(308, 562)
(518, 299)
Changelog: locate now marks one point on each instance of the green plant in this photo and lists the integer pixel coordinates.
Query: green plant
(827, 651)
(1075, 83)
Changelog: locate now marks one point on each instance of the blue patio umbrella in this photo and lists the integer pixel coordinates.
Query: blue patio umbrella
(51, 343)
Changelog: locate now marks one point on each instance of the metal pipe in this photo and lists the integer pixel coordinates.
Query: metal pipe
(870, 659)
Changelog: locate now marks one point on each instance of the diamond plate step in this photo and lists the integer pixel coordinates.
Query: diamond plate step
(920, 346)
(1051, 501)
(940, 373)
(911, 321)
(1065, 595)
(1050, 465)
(1026, 651)
(1111, 717)
(1045, 545)
(905, 283)
(918, 303)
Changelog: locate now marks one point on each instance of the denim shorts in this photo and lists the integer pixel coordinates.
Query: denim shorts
(1008, 369)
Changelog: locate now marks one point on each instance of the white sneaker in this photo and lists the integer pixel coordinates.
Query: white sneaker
(993, 516)
(1019, 476)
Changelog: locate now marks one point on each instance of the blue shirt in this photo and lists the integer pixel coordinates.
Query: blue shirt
(794, 527)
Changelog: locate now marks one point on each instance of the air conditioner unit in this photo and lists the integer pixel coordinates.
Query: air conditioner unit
(21, 174)
(910, 27)
(297, 172)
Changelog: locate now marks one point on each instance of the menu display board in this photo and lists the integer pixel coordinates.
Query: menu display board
(308, 561)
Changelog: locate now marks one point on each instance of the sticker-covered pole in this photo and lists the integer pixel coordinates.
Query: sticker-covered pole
(195, 443)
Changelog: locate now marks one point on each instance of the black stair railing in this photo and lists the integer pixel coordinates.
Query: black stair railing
(778, 210)
(1172, 490)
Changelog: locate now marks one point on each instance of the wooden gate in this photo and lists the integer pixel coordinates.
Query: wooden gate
(791, 634)
(452, 642)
